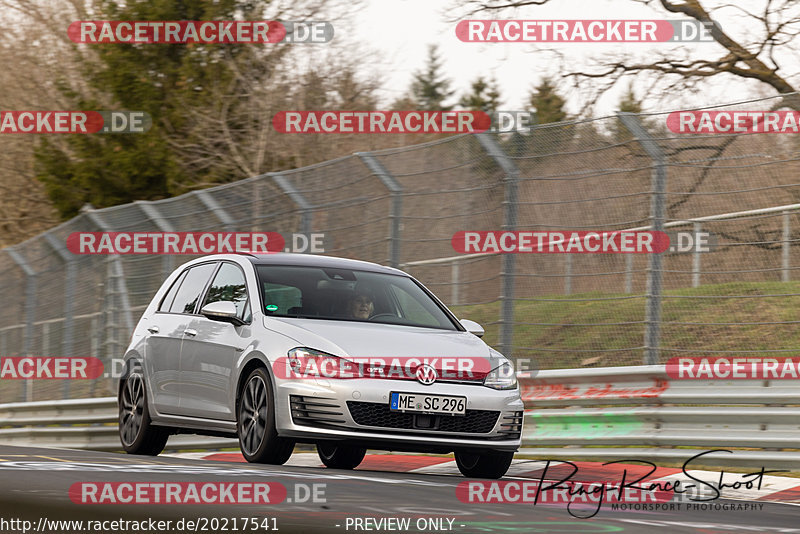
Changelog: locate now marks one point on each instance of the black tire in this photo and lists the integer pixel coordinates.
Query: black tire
(136, 432)
(340, 456)
(485, 464)
(258, 438)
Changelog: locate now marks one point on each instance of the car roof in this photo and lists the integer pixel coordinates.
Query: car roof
(313, 260)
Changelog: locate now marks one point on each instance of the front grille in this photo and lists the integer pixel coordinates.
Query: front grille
(475, 422)
(376, 414)
(315, 411)
(379, 415)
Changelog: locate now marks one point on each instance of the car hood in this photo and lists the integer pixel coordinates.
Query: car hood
(375, 340)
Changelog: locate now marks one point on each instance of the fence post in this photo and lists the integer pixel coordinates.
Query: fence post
(46, 349)
(657, 214)
(306, 209)
(510, 179)
(396, 192)
(30, 314)
(787, 234)
(628, 273)
(255, 215)
(70, 275)
(115, 275)
(455, 280)
(151, 212)
(697, 227)
(568, 274)
(94, 346)
(228, 222)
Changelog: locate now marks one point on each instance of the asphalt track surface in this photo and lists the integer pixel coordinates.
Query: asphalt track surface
(35, 482)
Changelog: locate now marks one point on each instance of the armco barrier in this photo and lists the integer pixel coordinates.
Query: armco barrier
(639, 413)
(79, 424)
(632, 413)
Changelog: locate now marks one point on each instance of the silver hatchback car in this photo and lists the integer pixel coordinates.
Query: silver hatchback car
(347, 355)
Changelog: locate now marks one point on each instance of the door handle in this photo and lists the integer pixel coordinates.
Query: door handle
(190, 332)
(153, 329)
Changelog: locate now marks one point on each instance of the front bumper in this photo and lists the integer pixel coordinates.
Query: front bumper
(357, 410)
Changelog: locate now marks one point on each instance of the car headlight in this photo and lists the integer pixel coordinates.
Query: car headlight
(304, 362)
(501, 377)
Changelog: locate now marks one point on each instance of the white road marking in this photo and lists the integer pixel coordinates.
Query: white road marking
(233, 470)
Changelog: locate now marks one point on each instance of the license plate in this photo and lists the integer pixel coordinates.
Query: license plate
(421, 403)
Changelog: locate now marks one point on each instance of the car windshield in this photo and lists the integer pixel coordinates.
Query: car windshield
(348, 295)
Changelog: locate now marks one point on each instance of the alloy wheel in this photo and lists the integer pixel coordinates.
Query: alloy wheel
(131, 412)
(253, 414)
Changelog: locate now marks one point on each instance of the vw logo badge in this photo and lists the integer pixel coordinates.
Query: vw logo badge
(426, 375)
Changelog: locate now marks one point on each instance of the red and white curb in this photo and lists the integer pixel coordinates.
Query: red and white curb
(773, 488)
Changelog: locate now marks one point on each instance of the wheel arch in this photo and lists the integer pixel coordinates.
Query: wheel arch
(257, 360)
(132, 361)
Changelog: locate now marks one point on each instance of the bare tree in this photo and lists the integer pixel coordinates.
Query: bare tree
(39, 61)
(766, 53)
(231, 137)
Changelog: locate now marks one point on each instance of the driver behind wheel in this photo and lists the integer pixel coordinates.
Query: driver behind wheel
(361, 305)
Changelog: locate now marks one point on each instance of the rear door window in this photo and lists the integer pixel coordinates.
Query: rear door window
(167, 301)
(192, 287)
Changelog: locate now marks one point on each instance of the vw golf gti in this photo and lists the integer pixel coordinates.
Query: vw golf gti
(280, 349)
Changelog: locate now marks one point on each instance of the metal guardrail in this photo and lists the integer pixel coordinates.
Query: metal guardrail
(640, 413)
(633, 413)
(89, 424)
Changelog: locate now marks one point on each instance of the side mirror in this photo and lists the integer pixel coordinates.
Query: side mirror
(224, 311)
(472, 327)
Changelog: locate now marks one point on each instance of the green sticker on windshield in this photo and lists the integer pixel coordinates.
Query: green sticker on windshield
(272, 308)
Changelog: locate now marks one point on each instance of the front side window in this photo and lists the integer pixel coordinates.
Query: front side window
(229, 286)
(169, 298)
(192, 287)
(348, 295)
